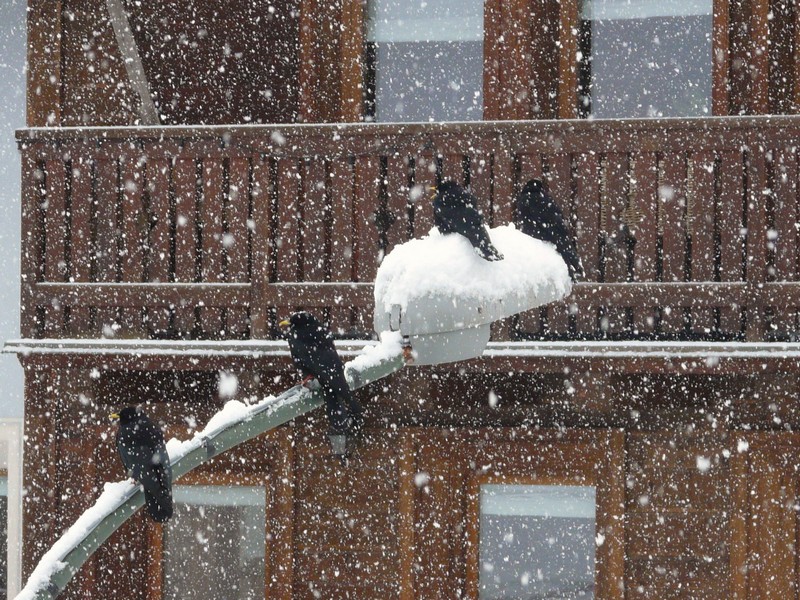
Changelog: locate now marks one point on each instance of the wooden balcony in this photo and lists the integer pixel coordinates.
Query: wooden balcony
(688, 228)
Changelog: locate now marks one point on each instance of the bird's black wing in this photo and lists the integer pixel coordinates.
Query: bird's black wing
(540, 217)
(467, 221)
(143, 453)
(314, 354)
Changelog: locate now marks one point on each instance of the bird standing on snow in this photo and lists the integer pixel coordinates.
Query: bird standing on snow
(141, 448)
(315, 356)
(537, 215)
(455, 211)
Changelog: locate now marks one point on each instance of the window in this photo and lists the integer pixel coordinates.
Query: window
(424, 60)
(537, 541)
(645, 58)
(214, 546)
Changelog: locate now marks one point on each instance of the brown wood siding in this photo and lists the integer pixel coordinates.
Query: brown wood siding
(681, 226)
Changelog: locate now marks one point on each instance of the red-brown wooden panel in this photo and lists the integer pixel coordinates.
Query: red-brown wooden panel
(186, 237)
(367, 202)
(55, 230)
(756, 239)
(503, 191)
(453, 168)
(263, 245)
(529, 322)
(672, 224)
(558, 180)
(421, 194)
(342, 195)
(730, 207)
(32, 222)
(784, 233)
(700, 212)
(587, 217)
(212, 231)
(236, 239)
(644, 230)
(159, 253)
(81, 201)
(314, 225)
(288, 220)
(397, 201)
(366, 237)
(614, 200)
(134, 228)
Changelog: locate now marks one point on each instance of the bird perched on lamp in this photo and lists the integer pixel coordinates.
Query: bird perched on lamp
(141, 448)
(537, 215)
(314, 355)
(455, 211)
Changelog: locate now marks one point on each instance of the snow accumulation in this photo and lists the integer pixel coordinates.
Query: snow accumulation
(439, 283)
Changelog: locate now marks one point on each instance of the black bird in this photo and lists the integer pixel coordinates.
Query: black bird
(537, 215)
(455, 211)
(315, 356)
(141, 448)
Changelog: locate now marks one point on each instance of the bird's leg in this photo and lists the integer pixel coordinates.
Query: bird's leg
(306, 380)
(408, 351)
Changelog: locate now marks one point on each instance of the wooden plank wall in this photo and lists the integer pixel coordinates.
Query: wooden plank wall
(685, 231)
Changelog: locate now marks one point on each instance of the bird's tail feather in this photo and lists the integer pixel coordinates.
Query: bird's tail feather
(159, 506)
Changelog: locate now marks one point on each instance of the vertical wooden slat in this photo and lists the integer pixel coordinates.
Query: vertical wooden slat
(720, 48)
(530, 166)
(672, 224)
(236, 239)
(316, 211)
(33, 234)
(351, 50)
(106, 247)
(186, 236)
(784, 190)
(567, 62)
(81, 234)
(558, 178)
(262, 195)
(729, 223)
(288, 224)
(756, 239)
(282, 515)
(55, 227)
(134, 228)
(503, 171)
(212, 232)
(44, 97)
(644, 230)
(367, 201)
(587, 223)
(397, 201)
(424, 179)
(159, 252)
(493, 48)
(406, 471)
(738, 522)
(758, 90)
(614, 199)
(700, 197)
(366, 237)
(342, 197)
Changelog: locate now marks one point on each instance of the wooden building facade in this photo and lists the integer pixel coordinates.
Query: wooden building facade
(158, 257)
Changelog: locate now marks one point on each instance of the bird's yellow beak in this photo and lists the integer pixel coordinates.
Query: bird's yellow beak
(284, 324)
(113, 416)
(432, 190)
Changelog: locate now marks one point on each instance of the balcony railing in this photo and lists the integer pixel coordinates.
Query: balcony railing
(688, 229)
